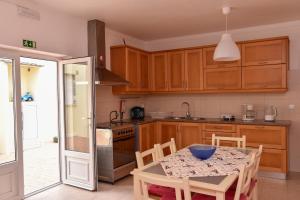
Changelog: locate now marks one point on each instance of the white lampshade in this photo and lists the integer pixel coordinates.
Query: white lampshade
(227, 50)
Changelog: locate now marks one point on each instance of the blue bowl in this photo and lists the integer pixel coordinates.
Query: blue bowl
(202, 152)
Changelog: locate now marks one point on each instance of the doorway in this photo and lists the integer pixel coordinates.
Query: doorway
(39, 94)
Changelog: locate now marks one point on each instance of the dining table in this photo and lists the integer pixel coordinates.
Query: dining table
(212, 177)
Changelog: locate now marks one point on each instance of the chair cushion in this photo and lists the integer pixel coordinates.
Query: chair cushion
(158, 190)
(229, 196)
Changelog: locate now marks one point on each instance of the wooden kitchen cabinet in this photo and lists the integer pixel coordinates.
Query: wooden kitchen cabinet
(159, 71)
(268, 52)
(274, 137)
(264, 77)
(274, 160)
(132, 69)
(194, 70)
(147, 137)
(176, 71)
(132, 65)
(189, 133)
(208, 59)
(222, 78)
(145, 72)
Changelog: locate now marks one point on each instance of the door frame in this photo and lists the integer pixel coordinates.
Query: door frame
(92, 129)
(15, 167)
(16, 55)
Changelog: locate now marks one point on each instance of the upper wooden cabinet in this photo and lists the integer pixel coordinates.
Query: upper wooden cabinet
(145, 72)
(208, 59)
(264, 77)
(194, 70)
(263, 68)
(132, 69)
(222, 78)
(159, 71)
(132, 65)
(176, 71)
(268, 52)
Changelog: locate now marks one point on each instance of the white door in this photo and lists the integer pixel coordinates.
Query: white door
(77, 122)
(11, 155)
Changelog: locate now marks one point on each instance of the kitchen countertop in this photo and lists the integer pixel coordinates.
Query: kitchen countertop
(257, 122)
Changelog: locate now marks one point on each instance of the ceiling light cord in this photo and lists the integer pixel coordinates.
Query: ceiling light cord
(226, 23)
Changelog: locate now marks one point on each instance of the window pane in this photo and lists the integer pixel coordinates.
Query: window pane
(7, 136)
(76, 89)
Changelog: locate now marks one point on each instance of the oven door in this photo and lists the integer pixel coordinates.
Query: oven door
(124, 151)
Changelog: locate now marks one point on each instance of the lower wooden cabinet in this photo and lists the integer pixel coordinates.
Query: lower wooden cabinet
(148, 136)
(274, 160)
(189, 133)
(272, 137)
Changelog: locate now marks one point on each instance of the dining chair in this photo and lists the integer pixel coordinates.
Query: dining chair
(140, 156)
(243, 184)
(253, 191)
(171, 145)
(180, 187)
(240, 141)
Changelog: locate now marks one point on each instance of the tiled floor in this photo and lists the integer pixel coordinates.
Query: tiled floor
(269, 189)
(41, 167)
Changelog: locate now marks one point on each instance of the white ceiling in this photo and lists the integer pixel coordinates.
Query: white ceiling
(154, 19)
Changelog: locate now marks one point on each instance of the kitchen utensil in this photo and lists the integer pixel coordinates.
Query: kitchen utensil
(137, 113)
(270, 113)
(202, 152)
(248, 112)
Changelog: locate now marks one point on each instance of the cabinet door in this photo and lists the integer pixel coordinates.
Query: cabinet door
(193, 70)
(168, 130)
(264, 77)
(189, 133)
(268, 136)
(208, 59)
(222, 78)
(159, 70)
(132, 69)
(207, 137)
(147, 138)
(176, 76)
(145, 73)
(274, 160)
(265, 52)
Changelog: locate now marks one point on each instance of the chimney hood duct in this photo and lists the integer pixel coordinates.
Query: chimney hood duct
(96, 48)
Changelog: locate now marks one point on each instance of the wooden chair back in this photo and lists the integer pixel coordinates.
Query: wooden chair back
(171, 145)
(179, 185)
(257, 161)
(241, 141)
(244, 180)
(141, 155)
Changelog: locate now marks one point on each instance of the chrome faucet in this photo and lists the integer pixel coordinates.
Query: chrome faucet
(188, 114)
(111, 119)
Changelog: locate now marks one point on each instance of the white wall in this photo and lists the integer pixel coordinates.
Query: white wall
(54, 32)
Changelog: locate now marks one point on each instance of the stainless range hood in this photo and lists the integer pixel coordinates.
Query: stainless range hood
(96, 48)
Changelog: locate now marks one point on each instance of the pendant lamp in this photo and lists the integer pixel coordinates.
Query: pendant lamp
(227, 50)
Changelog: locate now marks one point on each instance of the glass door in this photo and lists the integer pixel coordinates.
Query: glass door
(11, 157)
(77, 123)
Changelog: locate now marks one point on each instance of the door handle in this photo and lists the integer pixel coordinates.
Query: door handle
(83, 118)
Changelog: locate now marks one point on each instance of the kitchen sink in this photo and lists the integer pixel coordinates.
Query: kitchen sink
(188, 118)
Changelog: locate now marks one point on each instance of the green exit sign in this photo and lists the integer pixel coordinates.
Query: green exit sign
(29, 44)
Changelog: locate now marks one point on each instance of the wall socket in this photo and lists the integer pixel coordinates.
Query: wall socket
(292, 106)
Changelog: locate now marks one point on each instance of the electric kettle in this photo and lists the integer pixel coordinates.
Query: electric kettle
(270, 113)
